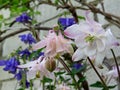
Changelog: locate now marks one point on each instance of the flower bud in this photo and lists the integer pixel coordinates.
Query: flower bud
(50, 65)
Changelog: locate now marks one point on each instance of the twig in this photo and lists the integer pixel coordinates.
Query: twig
(116, 64)
(69, 71)
(20, 31)
(104, 84)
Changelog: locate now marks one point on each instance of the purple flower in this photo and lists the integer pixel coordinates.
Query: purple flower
(10, 65)
(27, 38)
(23, 18)
(26, 83)
(18, 76)
(24, 53)
(66, 22)
(77, 66)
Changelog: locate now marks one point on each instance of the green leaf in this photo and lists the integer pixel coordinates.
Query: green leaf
(37, 13)
(21, 89)
(1, 17)
(111, 87)
(56, 2)
(47, 80)
(81, 79)
(98, 84)
(50, 87)
(81, 17)
(59, 73)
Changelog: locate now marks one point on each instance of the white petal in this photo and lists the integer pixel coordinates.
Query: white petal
(99, 58)
(30, 64)
(110, 73)
(100, 44)
(78, 55)
(72, 31)
(80, 41)
(31, 75)
(90, 50)
(111, 40)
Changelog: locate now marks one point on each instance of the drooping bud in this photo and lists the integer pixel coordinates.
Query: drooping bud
(50, 64)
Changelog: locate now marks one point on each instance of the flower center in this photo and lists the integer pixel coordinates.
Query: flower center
(38, 74)
(89, 38)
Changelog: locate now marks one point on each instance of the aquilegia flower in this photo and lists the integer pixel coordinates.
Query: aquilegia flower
(10, 65)
(36, 68)
(113, 72)
(27, 38)
(91, 39)
(23, 18)
(54, 44)
(66, 22)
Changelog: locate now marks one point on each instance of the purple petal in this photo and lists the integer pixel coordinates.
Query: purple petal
(2, 62)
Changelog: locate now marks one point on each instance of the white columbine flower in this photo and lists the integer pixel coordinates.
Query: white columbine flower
(91, 39)
(113, 72)
(37, 69)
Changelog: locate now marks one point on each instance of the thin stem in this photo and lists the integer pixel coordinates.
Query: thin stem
(116, 64)
(69, 71)
(31, 85)
(43, 84)
(104, 84)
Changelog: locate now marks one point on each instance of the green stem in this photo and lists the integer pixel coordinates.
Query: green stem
(31, 85)
(116, 64)
(104, 84)
(69, 71)
(43, 84)
(35, 34)
(24, 80)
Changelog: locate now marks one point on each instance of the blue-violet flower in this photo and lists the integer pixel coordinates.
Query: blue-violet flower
(66, 22)
(23, 18)
(10, 65)
(27, 38)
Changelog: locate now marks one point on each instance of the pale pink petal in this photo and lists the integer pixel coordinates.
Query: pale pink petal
(78, 55)
(40, 44)
(60, 44)
(72, 31)
(51, 47)
(69, 49)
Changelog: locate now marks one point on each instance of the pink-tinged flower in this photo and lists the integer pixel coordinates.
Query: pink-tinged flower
(54, 44)
(113, 72)
(91, 39)
(63, 87)
(37, 69)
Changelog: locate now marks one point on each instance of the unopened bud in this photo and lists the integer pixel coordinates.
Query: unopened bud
(50, 65)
